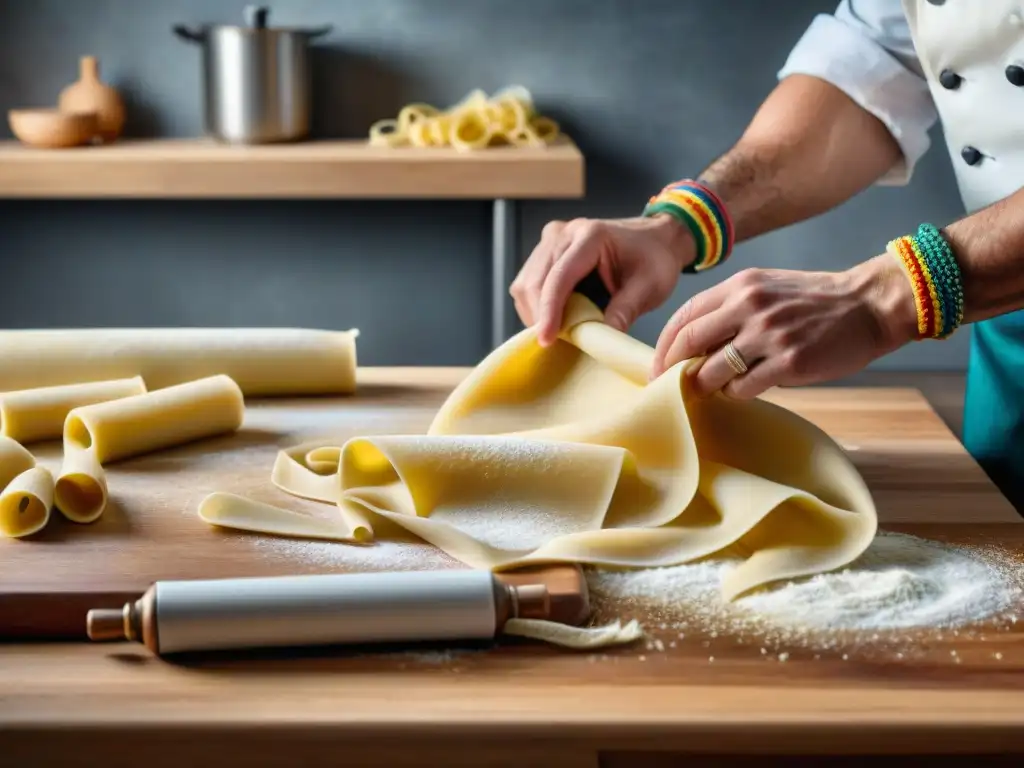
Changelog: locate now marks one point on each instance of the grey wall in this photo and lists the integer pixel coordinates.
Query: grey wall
(651, 90)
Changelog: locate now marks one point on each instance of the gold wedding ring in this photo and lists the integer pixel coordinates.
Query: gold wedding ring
(735, 359)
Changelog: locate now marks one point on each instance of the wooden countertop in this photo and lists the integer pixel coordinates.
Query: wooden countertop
(520, 704)
(199, 168)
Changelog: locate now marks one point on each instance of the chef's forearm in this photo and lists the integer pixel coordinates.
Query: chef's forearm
(809, 148)
(989, 247)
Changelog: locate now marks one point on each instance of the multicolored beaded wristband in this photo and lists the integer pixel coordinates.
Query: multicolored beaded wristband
(935, 276)
(703, 213)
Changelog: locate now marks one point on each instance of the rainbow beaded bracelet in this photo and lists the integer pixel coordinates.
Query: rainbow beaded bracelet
(703, 213)
(935, 276)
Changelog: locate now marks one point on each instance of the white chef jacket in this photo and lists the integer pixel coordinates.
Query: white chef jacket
(866, 51)
(907, 62)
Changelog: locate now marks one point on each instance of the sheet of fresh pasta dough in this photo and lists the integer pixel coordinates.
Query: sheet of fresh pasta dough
(119, 429)
(263, 361)
(577, 638)
(569, 454)
(26, 502)
(30, 415)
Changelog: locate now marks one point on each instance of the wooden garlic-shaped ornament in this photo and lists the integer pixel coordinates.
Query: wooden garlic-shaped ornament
(90, 94)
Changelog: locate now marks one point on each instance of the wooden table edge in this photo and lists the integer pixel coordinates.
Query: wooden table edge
(849, 736)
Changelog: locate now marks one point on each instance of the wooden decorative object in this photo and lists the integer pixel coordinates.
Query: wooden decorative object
(51, 128)
(91, 94)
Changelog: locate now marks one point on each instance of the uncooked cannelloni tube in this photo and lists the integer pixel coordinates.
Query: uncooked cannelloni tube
(26, 502)
(14, 460)
(159, 419)
(29, 415)
(263, 361)
(119, 429)
(81, 489)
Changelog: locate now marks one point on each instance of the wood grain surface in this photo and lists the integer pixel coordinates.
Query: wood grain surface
(513, 703)
(916, 469)
(199, 168)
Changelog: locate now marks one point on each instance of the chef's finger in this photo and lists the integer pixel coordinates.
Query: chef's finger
(627, 303)
(571, 266)
(526, 288)
(698, 337)
(716, 373)
(755, 382)
(523, 310)
(698, 306)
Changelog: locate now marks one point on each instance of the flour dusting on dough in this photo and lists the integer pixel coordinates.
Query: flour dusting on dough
(330, 556)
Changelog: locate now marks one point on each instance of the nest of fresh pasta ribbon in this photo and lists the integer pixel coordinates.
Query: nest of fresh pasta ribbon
(509, 117)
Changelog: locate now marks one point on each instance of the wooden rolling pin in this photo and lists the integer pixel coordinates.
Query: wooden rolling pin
(224, 614)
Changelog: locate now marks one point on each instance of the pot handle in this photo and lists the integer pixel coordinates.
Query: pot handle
(189, 35)
(319, 31)
(256, 16)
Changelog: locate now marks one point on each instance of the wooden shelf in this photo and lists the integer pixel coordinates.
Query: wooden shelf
(199, 168)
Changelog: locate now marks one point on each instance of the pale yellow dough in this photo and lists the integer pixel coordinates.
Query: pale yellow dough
(569, 454)
(26, 502)
(263, 361)
(119, 429)
(14, 459)
(81, 491)
(577, 638)
(29, 415)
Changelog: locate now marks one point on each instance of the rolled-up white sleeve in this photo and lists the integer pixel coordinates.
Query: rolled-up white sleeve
(865, 49)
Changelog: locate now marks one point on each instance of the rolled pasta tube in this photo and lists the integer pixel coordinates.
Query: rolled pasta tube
(163, 418)
(26, 502)
(469, 131)
(263, 361)
(81, 489)
(29, 415)
(385, 133)
(14, 460)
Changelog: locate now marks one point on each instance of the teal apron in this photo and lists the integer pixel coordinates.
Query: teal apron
(994, 403)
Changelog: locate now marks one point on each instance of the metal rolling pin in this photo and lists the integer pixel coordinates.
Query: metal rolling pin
(223, 614)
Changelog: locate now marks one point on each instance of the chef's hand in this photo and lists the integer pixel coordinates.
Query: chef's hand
(790, 328)
(638, 259)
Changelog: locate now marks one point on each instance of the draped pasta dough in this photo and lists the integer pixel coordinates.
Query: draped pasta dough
(26, 502)
(567, 453)
(28, 415)
(262, 361)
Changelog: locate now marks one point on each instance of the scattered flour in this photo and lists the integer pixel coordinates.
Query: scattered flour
(380, 555)
(900, 583)
(899, 588)
(431, 657)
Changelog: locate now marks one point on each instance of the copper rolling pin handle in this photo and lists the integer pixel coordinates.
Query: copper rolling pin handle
(530, 601)
(105, 624)
(225, 614)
